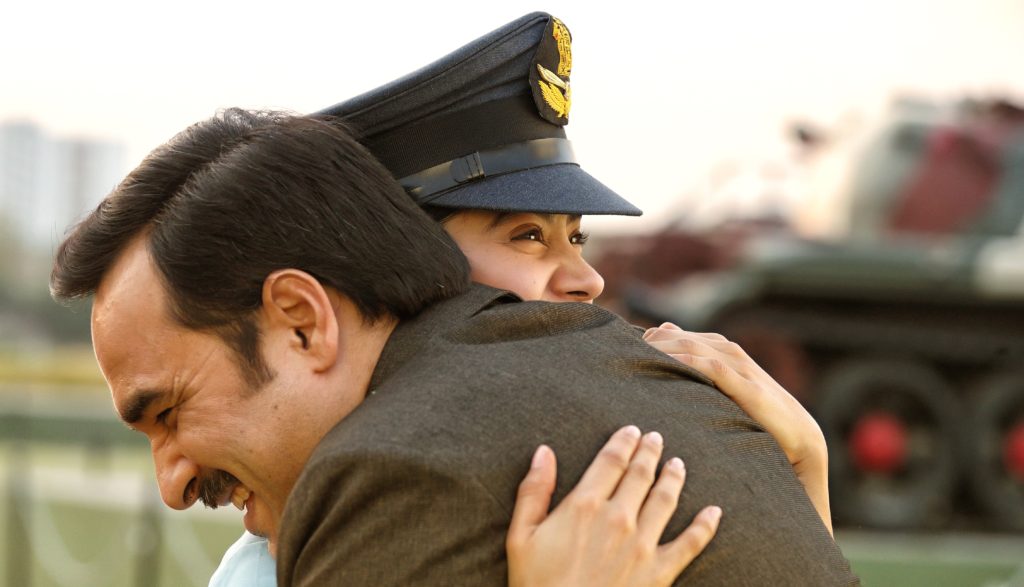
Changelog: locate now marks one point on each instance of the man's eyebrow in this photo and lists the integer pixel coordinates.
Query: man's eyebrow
(137, 404)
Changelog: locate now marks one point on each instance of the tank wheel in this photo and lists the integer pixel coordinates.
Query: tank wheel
(891, 427)
(997, 449)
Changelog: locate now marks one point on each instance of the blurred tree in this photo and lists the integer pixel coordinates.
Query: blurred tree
(27, 313)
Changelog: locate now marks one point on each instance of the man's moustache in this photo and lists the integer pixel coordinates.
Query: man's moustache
(214, 487)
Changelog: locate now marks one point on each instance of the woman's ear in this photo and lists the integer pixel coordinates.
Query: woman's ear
(297, 309)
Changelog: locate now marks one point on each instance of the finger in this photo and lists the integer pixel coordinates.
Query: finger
(670, 331)
(678, 345)
(684, 342)
(662, 333)
(604, 474)
(730, 381)
(723, 346)
(661, 501)
(666, 329)
(534, 496)
(712, 336)
(678, 554)
(636, 483)
(748, 394)
(728, 366)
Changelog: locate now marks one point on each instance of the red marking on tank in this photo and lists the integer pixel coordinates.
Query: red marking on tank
(878, 443)
(1013, 450)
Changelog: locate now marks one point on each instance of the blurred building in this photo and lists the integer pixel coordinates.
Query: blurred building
(47, 181)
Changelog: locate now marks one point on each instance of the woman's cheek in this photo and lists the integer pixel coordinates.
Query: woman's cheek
(517, 279)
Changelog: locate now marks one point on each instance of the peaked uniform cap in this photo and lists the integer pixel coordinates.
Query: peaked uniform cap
(483, 126)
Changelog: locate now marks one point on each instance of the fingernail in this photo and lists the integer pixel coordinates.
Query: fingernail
(656, 438)
(715, 513)
(540, 456)
(676, 464)
(631, 431)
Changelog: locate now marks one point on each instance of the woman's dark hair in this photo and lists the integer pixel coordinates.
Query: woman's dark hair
(232, 199)
(440, 214)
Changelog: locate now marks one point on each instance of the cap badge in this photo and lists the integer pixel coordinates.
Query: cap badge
(554, 87)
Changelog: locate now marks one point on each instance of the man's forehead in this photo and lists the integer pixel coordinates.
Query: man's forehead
(131, 332)
(130, 298)
(132, 268)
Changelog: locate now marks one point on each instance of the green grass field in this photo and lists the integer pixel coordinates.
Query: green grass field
(935, 560)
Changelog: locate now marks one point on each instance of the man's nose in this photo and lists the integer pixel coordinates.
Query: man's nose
(176, 475)
(575, 280)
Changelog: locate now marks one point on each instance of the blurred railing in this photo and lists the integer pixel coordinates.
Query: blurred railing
(60, 483)
(117, 533)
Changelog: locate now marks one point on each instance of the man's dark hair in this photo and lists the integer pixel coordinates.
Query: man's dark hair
(232, 199)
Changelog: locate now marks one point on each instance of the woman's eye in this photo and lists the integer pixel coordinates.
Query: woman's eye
(580, 238)
(162, 416)
(533, 234)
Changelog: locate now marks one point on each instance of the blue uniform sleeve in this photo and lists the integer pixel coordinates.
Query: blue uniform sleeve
(247, 563)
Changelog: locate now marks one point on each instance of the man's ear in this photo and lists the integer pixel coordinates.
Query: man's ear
(297, 307)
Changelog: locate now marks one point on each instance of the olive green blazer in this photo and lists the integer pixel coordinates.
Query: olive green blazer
(417, 485)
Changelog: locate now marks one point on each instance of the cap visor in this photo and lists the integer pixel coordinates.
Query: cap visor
(554, 189)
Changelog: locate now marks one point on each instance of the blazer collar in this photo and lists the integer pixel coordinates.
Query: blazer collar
(413, 335)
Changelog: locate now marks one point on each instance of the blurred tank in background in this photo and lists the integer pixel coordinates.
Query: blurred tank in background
(892, 306)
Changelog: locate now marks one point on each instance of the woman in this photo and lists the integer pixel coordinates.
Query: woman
(539, 257)
(476, 139)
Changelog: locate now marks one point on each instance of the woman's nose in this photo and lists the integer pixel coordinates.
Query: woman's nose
(576, 281)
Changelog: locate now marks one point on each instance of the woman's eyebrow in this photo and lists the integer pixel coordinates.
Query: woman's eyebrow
(546, 217)
(498, 217)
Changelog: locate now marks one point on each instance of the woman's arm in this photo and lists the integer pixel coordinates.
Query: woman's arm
(606, 531)
(740, 378)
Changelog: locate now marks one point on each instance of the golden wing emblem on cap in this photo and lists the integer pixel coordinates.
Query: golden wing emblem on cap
(552, 78)
(564, 40)
(555, 96)
(551, 88)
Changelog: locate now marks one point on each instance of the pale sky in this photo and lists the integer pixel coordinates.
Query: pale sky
(661, 92)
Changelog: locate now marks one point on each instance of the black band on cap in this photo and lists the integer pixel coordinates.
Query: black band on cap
(435, 181)
(410, 148)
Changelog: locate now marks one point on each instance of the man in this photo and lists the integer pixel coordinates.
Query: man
(187, 255)
(294, 336)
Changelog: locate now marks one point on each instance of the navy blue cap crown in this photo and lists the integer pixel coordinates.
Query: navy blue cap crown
(483, 126)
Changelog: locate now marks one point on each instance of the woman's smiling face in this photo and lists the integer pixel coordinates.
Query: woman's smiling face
(537, 256)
